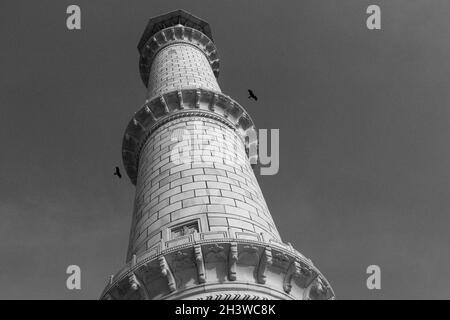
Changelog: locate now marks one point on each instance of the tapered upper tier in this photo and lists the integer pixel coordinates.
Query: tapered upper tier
(173, 27)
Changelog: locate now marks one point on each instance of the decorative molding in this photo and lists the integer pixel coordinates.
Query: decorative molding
(219, 251)
(233, 296)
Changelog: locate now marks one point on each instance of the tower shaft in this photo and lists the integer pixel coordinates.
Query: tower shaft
(180, 65)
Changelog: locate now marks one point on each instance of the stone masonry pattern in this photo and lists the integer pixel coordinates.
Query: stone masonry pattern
(180, 66)
(218, 184)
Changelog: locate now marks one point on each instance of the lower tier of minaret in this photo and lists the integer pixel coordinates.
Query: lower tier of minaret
(194, 176)
(226, 254)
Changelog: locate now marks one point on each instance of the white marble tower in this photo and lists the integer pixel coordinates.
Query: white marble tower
(201, 228)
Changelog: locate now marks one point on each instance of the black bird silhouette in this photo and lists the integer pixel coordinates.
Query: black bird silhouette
(117, 173)
(252, 95)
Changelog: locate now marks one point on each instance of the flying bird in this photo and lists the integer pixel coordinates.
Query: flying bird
(117, 173)
(252, 95)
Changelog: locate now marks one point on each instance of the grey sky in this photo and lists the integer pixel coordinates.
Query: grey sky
(364, 131)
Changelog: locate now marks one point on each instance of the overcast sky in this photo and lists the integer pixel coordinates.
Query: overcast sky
(364, 119)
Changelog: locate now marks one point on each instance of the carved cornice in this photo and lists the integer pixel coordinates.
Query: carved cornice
(176, 104)
(293, 271)
(173, 35)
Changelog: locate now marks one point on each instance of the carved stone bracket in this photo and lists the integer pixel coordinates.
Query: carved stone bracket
(308, 274)
(232, 261)
(281, 259)
(163, 102)
(149, 112)
(132, 279)
(137, 285)
(265, 261)
(197, 99)
(213, 102)
(200, 264)
(320, 290)
(134, 283)
(212, 263)
(180, 99)
(167, 273)
(293, 270)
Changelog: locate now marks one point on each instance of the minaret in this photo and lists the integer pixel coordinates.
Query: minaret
(201, 228)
